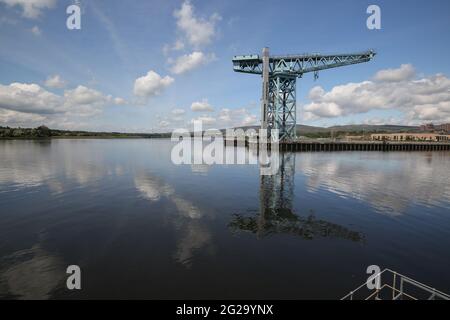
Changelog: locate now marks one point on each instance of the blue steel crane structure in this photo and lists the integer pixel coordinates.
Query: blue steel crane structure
(279, 74)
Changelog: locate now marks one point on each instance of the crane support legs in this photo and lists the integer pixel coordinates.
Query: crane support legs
(281, 110)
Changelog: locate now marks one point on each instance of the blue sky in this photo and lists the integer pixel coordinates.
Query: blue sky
(156, 65)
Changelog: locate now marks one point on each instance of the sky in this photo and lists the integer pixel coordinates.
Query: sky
(156, 65)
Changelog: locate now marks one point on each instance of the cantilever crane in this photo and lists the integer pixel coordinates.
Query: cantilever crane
(280, 73)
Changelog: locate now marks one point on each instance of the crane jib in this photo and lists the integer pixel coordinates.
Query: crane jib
(299, 64)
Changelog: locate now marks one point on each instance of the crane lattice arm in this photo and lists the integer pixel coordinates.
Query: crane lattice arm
(298, 64)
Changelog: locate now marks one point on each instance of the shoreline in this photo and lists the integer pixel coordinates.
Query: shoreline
(78, 137)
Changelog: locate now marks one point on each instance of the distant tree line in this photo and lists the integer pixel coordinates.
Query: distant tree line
(39, 132)
(43, 132)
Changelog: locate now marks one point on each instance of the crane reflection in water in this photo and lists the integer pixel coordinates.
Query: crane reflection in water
(276, 214)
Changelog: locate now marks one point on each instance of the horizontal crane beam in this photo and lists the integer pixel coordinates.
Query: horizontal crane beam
(297, 65)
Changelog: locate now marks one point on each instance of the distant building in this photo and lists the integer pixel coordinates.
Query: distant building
(444, 128)
(429, 127)
(354, 138)
(410, 137)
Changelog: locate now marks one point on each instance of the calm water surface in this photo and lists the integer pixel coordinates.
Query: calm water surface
(141, 227)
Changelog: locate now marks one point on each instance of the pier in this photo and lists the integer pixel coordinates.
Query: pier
(315, 146)
(329, 146)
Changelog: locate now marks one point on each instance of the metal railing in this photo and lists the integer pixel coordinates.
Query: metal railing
(395, 286)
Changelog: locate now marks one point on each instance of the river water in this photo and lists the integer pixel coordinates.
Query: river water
(141, 227)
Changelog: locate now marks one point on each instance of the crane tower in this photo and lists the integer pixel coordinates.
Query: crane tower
(279, 77)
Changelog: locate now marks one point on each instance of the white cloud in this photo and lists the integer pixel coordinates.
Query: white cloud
(201, 106)
(151, 84)
(83, 101)
(31, 8)
(178, 112)
(225, 115)
(198, 31)
(55, 81)
(177, 115)
(236, 118)
(324, 110)
(249, 120)
(22, 103)
(206, 120)
(426, 99)
(120, 101)
(163, 124)
(191, 61)
(228, 118)
(178, 45)
(29, 98)
(405, 72)
(36, 31)
(82, 95)
(13, 118)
